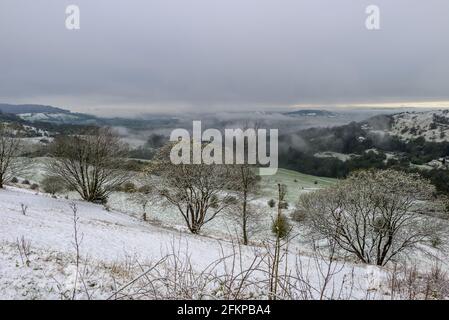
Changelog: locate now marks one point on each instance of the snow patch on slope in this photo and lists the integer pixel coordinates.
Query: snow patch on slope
(432, 125)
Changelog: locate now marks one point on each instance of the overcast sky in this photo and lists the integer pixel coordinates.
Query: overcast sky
(134, 56)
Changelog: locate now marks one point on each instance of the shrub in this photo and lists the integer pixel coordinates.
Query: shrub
(436, 241)
(128, 187)
(25, 181)
(393, 226)
(14, 180)
(34, 186)
(271, 203)
(91, 162)
(145, 189)
(281, 227)
(299, 215)
(100, 200)
(53, 185)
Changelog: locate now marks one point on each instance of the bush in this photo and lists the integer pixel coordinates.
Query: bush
(128, 187)
(145, 189)
(14, 180)
(299, 215)
(53, 185)
(271, 203)
(393, 199)
(281, 227)
(34, 186)
(91, 161)
(436, 241)
(100, 200)
(25, 181)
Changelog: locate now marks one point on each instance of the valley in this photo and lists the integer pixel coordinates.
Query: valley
(55, 245)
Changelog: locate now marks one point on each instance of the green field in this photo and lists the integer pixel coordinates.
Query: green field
(296, 183)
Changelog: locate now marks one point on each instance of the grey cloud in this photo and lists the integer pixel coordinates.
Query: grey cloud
(199, 55)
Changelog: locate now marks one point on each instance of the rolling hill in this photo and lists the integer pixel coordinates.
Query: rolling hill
(29, 108)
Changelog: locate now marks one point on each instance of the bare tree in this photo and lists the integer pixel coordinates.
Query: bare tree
(373, 214)
(24, 247)
(197, 191)
(10, 148)
(246, 184)
(76, 244)
(91, 164)
(280, 234)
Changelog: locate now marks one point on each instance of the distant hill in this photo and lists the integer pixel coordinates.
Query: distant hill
(29, 108)
(46, 116)
(431, 125)
(310, 113)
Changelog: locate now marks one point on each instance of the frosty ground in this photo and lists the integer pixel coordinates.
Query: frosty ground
(39, 260)
(115, 248)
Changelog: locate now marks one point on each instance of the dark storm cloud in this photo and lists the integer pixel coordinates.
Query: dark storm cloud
(194, 55)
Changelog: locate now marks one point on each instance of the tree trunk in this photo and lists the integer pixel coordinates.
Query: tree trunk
(195, 229)
(245, 218)
(277, 248)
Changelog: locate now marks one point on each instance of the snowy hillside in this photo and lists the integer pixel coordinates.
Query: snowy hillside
(432, 125)
(61, 117)
(38, 252)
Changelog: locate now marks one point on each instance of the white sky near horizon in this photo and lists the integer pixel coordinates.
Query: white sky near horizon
(172, 56)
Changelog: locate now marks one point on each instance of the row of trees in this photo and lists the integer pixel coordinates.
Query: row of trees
(93, 164)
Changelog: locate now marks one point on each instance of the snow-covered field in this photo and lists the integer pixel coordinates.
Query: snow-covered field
(107, 237)
(38, 251)
(112, 244)
(222, 225)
